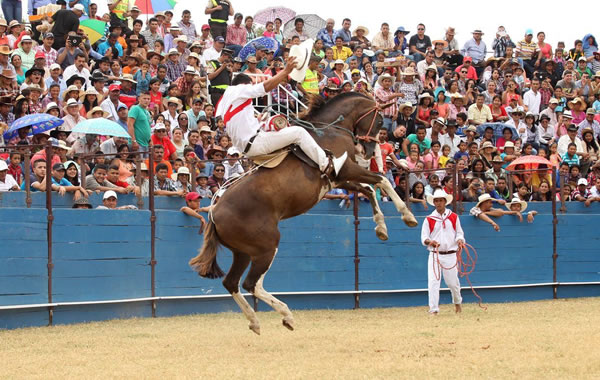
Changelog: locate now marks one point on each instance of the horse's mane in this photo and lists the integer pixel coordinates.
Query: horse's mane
(316, 103)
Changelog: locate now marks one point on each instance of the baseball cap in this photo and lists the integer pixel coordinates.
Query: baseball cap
(79, 7)
(54, 66)
(114, 87)
(233, 150)
(39, 54)
(58, 167)
(529, 31)
(467, 59)
(553, 101)
(3, 165)
(238, 15)
(109, 193)
(590, 111)
(49, 35)
(219, 39)
(192, 196)
(205, 26)
(572, 128)
(159, 126)
(582, 181)
(582, 59)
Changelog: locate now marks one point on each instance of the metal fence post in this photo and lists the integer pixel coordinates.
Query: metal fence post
(356, 253)
(554, 233)
(50, 264)
(152, 228)
(27, 178)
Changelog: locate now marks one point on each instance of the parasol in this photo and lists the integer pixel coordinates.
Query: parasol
(39, 123)
(498, 128)
(250, 47)
(93, 29)
(271, 13)
(312, 25)
(150, 7)
(101, 127)
(529, 162)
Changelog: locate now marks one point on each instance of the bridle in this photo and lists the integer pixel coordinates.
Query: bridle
(373, 110)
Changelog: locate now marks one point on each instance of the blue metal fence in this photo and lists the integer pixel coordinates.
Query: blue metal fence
(102, 261)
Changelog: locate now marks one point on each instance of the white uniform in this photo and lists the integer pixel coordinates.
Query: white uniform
(243, 125)
(445, 233)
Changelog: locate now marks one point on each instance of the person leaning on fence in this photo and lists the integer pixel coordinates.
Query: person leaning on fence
(520, 206)
(443, 236)
(193, 209)
(7, 182)
(109, 202)
(483, 210)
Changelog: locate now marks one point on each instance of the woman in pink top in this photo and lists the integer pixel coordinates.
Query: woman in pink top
(432, 159)
(441, 106)
(545, 49)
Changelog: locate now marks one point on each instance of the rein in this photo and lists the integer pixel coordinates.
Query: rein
(464, 266)
(367, 137)
(319, 131)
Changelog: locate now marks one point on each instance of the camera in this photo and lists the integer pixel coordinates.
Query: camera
(75, 40)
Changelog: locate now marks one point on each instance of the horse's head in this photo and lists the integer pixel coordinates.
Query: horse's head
(367, 125)
(353, 111)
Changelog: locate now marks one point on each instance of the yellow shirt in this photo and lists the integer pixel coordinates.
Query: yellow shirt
(344, 54)
(311, 82)
(443, 160)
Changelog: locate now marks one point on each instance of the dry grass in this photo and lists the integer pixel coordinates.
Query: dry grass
(549, 339)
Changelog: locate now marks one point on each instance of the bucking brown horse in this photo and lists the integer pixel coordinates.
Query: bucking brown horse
(246, 217)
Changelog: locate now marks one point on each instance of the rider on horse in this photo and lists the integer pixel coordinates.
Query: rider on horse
(235, 107)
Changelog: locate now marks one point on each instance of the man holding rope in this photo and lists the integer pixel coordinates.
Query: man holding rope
(443, 236)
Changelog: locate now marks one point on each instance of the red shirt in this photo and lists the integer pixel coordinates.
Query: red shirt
(386, 150)
(16, 172)
(471, 73)
(167, 144)
(169, 167)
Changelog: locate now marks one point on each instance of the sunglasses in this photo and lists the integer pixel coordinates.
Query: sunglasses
(464, 72)
(183, 118)
(219, 170)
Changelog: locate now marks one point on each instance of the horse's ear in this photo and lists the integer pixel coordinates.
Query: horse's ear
(386, 106)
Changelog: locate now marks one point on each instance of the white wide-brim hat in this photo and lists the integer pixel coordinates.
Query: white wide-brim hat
(439, 193)
(302, 54)
(515, 201)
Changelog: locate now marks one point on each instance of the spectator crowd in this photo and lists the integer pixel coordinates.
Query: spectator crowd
(468, 106)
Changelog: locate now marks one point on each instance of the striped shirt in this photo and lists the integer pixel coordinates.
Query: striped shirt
(526, 49)
(384, 97)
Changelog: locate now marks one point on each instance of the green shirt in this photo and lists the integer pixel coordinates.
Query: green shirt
(142, 124)
(423, 145)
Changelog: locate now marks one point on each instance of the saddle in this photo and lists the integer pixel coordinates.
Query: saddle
(272, 160)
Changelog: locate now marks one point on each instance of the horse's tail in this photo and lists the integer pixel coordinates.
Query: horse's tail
(206, 261)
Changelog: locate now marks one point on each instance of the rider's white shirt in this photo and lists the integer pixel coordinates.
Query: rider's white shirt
(244, 124)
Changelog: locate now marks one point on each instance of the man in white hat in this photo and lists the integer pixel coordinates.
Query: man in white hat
(109, 202)
(235, 107)
(443, 236)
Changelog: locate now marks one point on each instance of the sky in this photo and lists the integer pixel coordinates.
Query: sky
(515, 15)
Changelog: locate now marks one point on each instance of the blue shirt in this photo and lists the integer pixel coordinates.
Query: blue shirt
(328, 40)
(346, 35)
(477, 52)
(103, 47)
(35, 4)
(143, 84)
(62, 182)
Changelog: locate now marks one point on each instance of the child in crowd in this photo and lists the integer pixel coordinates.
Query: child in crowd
(193, 209)
(571, 157)
(202, 187)
(462, 152)
(445, 156)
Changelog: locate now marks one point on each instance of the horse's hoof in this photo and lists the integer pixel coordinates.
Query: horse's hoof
(255, 328)
(410, 220)
(289, 323)
(381, 233)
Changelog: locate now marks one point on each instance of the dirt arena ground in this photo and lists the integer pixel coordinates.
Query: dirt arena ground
(548, 339)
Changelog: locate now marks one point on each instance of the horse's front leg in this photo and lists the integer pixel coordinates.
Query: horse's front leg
(352, 172)
(380, 227)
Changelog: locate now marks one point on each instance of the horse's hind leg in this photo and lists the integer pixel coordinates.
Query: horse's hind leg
(254, 284)
(232, 284)
(380, 227)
